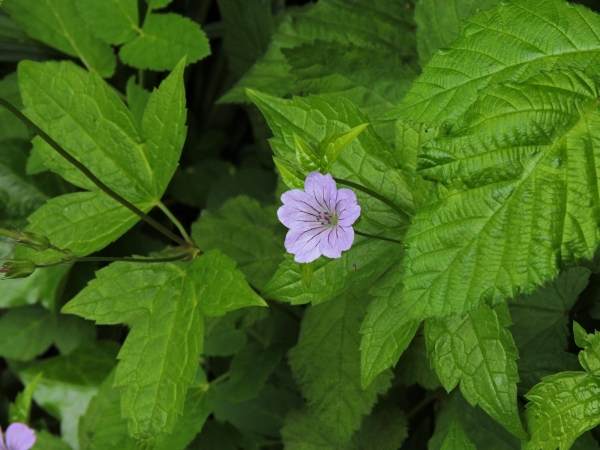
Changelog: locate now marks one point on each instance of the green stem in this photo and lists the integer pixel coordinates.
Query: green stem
(220, 378)
(108, 191)
(374, 194)
(261, 339)
(176, 222)
(113, 259)
(381, 238)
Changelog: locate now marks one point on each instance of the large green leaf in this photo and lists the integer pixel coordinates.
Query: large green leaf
(246, 232)
(113, 21)
(10, 126)
(326, 364)
(478, 351)
(58, 24)
(83, 114)
(376, 25)
(438, 22)
(456, 439)
(519, 200)
(163, 41)
(164, 304)
(499, 45)
(69, 382)
(564, 405)
(26, 332)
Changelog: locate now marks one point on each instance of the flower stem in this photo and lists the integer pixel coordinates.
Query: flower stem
(381, 238)
(220, 378)
(108, 191)
(374, 194)
(113, 259)
(176, 222)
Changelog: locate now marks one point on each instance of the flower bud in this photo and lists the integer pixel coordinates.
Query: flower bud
(36, 241)
(17, 268)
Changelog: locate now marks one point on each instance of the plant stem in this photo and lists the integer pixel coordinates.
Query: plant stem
(113, 259)
(176, 222)
(220, 378)
(374, 194)
(420, 406)
(381, 238)
(103, 187)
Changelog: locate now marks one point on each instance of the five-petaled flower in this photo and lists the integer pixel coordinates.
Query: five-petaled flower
(18, 437)
(320, 218)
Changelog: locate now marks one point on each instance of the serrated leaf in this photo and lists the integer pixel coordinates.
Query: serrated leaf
(305, 154)
(100, 132)
(163, 41)
(26, 332)
(509, 172)
(561, 408)
(248, 28)
(250, 368)
(69, 382)
(113, 21)
(20, 410)
(326, 364)
(158, 4)
(499, 45)
(480, 428)
(164, 304)
(438, 22)
(58, 24)
(385, 429)
(375, 25)
(332, 146)
(290, 175)
(456, 439)
(248, 233)
(478, 351)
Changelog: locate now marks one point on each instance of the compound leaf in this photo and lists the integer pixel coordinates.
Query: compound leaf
(58, 24)
(163, 41)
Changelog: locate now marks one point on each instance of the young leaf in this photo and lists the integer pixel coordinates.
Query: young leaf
(562, 406)
(332, 146)
(438, 22)
(307, 270)
(20, 410)
(478, 351)
(58, 24)
(497, 209)
(290, 175)
(480, 56)
(69, 382)
(305, 154)
(164, 304)
(456, 439)
(246, 232)
(114, 21)
(164, 40)
(87, 118)
(326, 364)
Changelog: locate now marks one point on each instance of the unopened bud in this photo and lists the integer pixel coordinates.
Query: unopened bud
(17, 268)
(36, 241)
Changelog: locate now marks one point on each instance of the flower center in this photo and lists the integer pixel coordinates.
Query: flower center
(327, 218)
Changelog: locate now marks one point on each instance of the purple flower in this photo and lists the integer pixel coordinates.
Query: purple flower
(18, 437)
(320, 218)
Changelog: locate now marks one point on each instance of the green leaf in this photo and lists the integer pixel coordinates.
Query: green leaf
(305, 154)
(290, 174)
(374, 79)
(113, 21)
(10, 126)
(250, 368)
(438, 22)
(248, 233)
(478, 351)
(100, 132)
(42, 286)
(495, 209)
(137, 99)
(456, 439)
(248, 29)
(375, 25)
(164, 40)
(561, 408)
(69, 382)
(158, 4)
(307, 270)
(164, 304)
(47, 441)
(479, 57)
(414, 366)
(26, 332)
(483, 431)
(326, 364)
(20, 410)
(58, 24)
(332, 146)
(221, 338)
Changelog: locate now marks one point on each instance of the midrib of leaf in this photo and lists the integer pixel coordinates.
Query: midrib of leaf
(532, 169)
(67, 35)
(133, 24)
(100, 147)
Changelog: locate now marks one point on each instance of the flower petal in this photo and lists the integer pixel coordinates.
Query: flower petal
(292, 217)
(338, 239)
(346, 194)
(347, 213)
(322, 188)
(304, 244)
(2, 444)
(19, 437)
